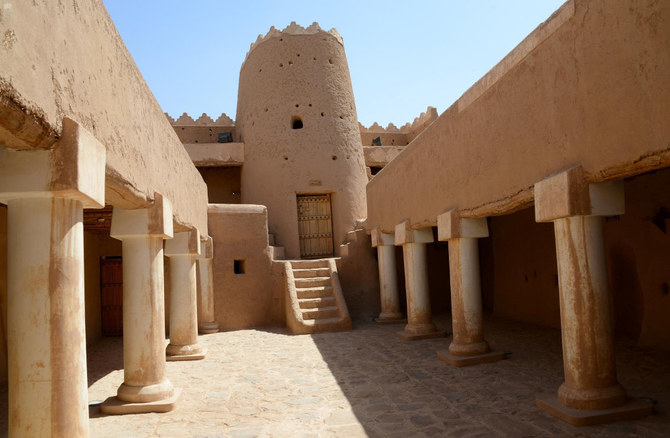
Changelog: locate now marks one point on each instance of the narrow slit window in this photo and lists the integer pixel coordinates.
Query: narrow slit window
(296, 122)
(239, 266)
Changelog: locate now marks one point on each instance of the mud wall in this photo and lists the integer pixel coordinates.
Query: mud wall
(246, 290)
(588, 87)
(77, 66)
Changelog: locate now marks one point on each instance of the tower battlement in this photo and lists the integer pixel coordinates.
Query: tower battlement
(292, 29)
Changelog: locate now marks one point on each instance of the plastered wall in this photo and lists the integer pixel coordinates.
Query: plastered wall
(3, 293)
(304, 76)
(589, 87)
(519, 273)
(77, 66)
(223, 184)
(253, 298)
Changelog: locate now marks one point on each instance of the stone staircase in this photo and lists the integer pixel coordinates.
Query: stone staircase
(315, 303)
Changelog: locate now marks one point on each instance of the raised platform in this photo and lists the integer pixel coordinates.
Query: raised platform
(633, 410)
(418, 337)
(466, 361)
(114, 406)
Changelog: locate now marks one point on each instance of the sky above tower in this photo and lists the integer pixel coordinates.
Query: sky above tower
(403, 56)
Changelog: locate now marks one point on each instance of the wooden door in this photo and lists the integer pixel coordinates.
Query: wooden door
(315, 226)
(111, 295)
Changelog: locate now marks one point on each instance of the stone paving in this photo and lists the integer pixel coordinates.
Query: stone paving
(367, 382)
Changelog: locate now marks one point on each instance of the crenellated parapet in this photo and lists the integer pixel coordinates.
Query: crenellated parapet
(292, 29)
(204, 129)
(203, 120)
(391, 135)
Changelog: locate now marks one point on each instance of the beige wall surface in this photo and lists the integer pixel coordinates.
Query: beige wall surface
(67, 59)
(96, 245)
(519, 271)
(592, 89)
(286, 76)
(223, 184)
(3, 293)
(253, 298)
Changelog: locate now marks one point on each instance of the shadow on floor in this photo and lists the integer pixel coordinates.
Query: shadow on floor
(396, 386)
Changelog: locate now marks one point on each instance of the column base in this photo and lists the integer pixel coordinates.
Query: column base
(390, 318)
(207, 328)
(187, 356)
(184, 352)
(466, 361)
(634, 409)
(114, 406)
(419, 336)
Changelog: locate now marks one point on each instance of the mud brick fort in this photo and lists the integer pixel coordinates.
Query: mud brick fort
(541, 198)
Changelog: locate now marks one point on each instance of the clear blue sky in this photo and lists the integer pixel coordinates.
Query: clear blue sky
(403, 56)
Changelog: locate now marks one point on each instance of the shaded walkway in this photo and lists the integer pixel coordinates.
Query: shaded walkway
(367, 382)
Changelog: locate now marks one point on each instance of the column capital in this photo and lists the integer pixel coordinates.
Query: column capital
(206, 247)
(569, 194)
(379, 238)
(405, 234)
(450, 225)
(155, 220)
(74, 168)
(185, 243)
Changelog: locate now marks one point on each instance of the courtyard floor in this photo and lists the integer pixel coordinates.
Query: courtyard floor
(366, 382)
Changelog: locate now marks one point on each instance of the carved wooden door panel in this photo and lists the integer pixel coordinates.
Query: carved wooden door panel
(315, 226)
(111, 296)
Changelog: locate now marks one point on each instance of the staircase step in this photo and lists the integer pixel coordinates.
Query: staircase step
(306, 264)
(320, 313)
(314, 292)
(328, 324)
(311, 272)
(312, 303)
(312, 282)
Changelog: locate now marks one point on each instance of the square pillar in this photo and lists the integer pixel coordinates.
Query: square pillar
(591, 393)
(182, 251)
(419, 321)
(206, 321)
(145, 386)
(388, 280)
(468, 346)
(46, 192)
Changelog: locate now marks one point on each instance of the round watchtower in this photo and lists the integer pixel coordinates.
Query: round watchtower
(303, 157)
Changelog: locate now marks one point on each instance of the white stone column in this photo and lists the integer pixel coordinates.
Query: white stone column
(46, 192)
(206, 319)
(145, 387)
(591, 393)
(388, 280)
(419, 321)
(468, 346)
(182, 251)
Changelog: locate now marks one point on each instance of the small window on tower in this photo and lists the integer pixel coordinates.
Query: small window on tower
(296, 122)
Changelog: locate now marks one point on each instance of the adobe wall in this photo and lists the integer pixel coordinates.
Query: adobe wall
(519, 271)
(638, 245)
(3, 293)
(223, 184)
(254, 298)
(203, 129)
(589, 87)
(96, 245)
(76, 65)
(300, 73)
